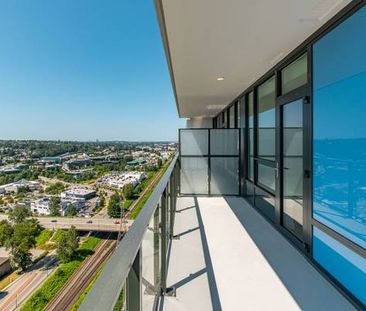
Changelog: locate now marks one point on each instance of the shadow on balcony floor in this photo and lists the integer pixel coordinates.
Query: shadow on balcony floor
(228, 257)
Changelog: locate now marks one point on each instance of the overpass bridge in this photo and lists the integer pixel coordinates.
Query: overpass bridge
(81, 224)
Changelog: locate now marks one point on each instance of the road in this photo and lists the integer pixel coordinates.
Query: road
(80, 223)
(19, 290)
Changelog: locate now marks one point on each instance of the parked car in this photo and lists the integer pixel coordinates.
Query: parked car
(54, 220)
(89, 222)
(117, 222)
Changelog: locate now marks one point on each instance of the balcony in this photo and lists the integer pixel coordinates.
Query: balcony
(228, 257)
(207, 253)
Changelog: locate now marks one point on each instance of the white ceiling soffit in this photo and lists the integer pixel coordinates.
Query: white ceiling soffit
(239, 40)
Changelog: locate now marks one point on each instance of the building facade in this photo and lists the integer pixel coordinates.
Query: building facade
(303, 157)
(301, 123)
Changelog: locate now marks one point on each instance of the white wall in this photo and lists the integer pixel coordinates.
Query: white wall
(199, 123)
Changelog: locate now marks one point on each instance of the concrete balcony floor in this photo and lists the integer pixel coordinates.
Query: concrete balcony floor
(228, 257)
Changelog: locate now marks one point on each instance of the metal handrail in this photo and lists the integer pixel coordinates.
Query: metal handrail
(107, 288)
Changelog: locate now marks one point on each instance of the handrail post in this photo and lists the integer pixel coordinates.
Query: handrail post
(164, 246)
(163, 242)
(178, 176)
(172, 204)
(133, 288)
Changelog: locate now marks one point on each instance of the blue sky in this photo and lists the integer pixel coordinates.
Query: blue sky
(84, 70)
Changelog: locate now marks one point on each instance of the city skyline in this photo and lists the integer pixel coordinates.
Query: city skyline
(84, 71)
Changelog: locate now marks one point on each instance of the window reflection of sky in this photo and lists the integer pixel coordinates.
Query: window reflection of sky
(339, 78)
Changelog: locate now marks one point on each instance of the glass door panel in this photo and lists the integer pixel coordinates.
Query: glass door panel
(292, 167)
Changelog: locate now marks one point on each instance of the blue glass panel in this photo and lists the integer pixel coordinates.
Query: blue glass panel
(345, 265)
(339, 77)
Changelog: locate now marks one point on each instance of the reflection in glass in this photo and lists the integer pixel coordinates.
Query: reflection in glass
(224, 176)
(339, 77)
(293, 166)
(251, 136)
(267, 133)
(267, 120)
(219, 121)
(339, 149)
(232, 116)
(345, 265)
(267, 177)
(224, 119)
(240, 110)
(295, 74)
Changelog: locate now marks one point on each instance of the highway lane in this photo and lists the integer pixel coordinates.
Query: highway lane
(18, 291)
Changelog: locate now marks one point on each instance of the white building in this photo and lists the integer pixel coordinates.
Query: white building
(119, 180)
(16, 186)
(42, 205)
(78, 193)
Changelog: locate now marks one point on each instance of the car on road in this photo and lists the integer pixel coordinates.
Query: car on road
(54, 220)
(89, 222)
(117, 222)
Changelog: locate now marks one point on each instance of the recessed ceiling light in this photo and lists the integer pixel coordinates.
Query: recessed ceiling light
(220, 79)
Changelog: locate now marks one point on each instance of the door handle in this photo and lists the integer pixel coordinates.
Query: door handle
(277, 168)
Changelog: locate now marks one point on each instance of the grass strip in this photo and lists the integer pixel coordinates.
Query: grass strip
(57, 280)
(57, 235)
(145, 197)
(6, 280)
(120, 302)
(43, 238)
(127, 204)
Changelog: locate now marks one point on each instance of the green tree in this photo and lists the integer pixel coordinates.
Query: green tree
(71, 210)
(23, 190)
(55, 206)
(6, 231)
(160, 163)
(21, 241)
(67, 244)
(128, 191)
(128, 158)
(114, 206)
(55, 188)
(20, 257)
(19, 214)
(102, 201)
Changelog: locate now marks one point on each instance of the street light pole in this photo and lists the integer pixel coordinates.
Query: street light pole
(120, 224)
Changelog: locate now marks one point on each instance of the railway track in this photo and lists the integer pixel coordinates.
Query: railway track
(75, 286)
(152, 183)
